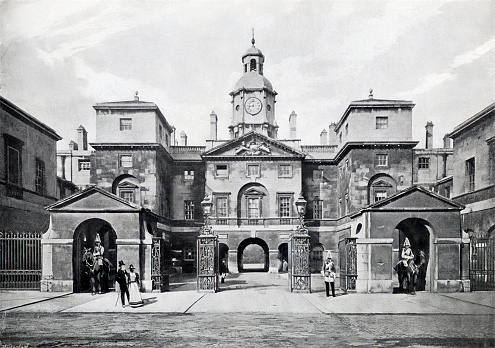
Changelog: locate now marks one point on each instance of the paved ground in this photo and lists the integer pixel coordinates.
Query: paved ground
(253, 310)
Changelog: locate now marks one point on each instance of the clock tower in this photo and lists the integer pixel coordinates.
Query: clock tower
(253, 99)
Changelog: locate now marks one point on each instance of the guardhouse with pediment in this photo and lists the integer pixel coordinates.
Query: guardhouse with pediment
(359, 183)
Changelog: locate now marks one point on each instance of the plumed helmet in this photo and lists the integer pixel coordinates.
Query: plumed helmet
(97, 239)
(406, 243)
(131, 267)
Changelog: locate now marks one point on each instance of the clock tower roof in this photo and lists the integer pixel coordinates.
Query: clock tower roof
(252, 80)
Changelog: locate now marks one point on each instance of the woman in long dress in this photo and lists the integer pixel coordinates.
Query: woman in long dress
(135, 298)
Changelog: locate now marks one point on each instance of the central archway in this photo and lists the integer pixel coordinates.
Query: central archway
(84, 237)
(253, 255)
(418, 231)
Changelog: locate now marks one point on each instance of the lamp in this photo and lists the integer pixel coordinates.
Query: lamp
(301, 210)
(206, 205)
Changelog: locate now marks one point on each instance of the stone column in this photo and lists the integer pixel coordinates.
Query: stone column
(273, 261)
(232, 262)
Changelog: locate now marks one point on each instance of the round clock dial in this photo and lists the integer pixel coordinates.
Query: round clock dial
(253, 105)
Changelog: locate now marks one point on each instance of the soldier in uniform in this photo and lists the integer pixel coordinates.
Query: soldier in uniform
(407, 253)
(98, 250)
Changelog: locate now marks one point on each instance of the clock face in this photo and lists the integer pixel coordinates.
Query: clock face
(253, 105)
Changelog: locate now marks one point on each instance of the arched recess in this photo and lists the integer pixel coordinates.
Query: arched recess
(126, 187)
(381, 186)
(419, 232)
(252, 204)
(316, 258)
(263, 259)
(84, 237)
(283, 257)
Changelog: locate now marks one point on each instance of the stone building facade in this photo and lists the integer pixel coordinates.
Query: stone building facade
(28, 179)
(360, 184)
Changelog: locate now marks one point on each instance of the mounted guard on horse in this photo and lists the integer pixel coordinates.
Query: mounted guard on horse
(407, 269)
(97, 266)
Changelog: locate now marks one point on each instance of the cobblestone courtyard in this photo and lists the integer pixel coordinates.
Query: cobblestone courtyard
(245, 330)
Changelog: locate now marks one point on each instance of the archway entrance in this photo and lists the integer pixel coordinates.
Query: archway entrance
(418, 232)
(84, 237)
(253, 256)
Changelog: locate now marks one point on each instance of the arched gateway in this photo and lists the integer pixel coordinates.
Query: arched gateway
(253, 251)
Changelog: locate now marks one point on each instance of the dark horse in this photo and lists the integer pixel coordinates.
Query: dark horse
(98, 274)
(408, 275)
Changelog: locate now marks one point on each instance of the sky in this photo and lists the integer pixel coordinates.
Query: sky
(59, 58)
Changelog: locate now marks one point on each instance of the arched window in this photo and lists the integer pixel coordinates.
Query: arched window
(381, 187)
(252, 65)
(127, 188)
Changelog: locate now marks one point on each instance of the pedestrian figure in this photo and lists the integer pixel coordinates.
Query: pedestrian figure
(223, 271)
(329, 274)
(135, 300)
(122, 279)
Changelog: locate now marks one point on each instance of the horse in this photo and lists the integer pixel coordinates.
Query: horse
(408, 275)
(98, 274)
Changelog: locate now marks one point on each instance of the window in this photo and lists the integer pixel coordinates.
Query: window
(317, 174)
(160, 131)
(221, 170)
(347, 129)
(447, 191)
(13, 160)
(84, 164)
(188, 210)
(424, 163)
(346, 207)
(222, 210)
(253, 170)
(127, 195)
(284, 209)
(39, 182)
(125, 124)
(253, 211)
(340, 137)
(380, 195)
(381, 159)
(381, 122)
(189, 254)
(470, 171)
(340, 207)
(166, 139)
(317, 208)
(126, 161)
(188, 174)
(285, 171)
(252, 65)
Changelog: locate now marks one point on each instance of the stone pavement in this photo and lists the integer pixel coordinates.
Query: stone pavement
(253, 293)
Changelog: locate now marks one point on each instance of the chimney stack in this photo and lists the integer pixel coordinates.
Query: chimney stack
(213, 126)
(429, 135)
(82, 138)
(293, 125)
(446, 141)
(183, 139)
(73, 146)
(323, 137)
(332, 136)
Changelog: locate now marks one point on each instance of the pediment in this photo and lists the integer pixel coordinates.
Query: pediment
(93, 199)
(251, 145)
(416, 198)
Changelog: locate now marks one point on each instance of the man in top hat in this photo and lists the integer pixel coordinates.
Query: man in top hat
(98, 250)
(407, 253)
(123, 278)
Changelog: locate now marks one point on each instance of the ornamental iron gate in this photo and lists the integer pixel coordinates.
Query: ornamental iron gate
(348, 264)
(482, 264)
(20, 260)
(299, 265)
(160, 282)
(208, 263)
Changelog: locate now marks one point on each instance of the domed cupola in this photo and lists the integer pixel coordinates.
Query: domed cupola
(253, 98)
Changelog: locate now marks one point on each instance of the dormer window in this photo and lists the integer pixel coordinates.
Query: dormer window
(125, 124)
(381, 122)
